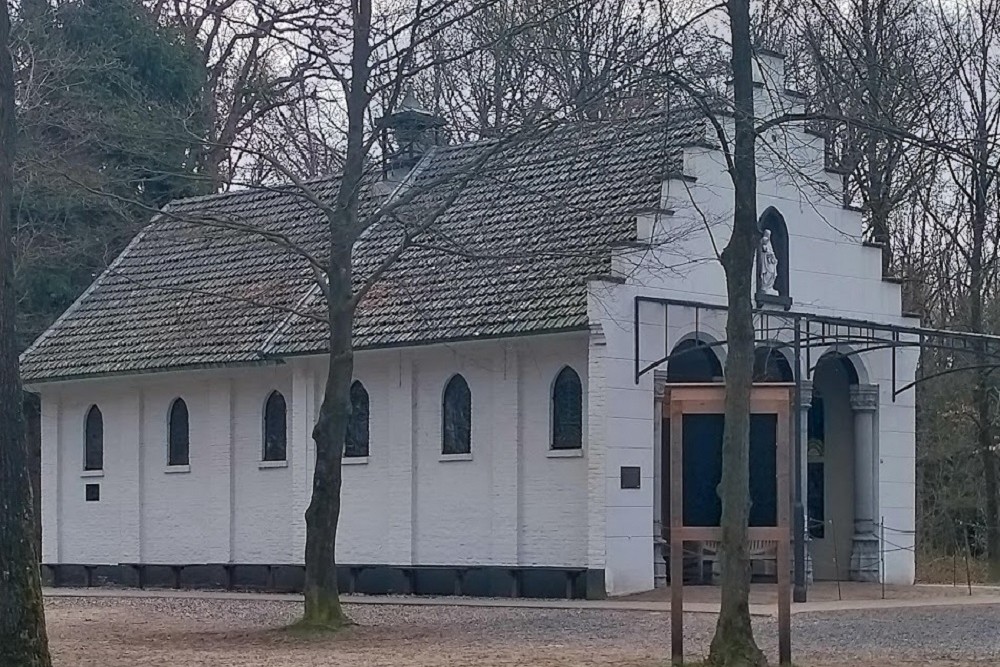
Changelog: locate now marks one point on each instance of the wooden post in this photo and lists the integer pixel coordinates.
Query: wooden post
(676, 536)
(783, 466)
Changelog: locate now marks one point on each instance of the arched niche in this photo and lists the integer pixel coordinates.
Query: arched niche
(772, 221)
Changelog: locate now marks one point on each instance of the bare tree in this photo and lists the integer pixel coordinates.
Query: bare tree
(254, 69)
(879, 63)
(22, 619)
(733, 643)
(581, 60)
(971, 34)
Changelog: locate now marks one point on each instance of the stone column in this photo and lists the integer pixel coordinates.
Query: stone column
(805, 402)
(659, 544)
(864, 549)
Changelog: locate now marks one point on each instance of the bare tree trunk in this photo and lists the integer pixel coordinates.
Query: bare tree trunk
(733, 643)
(322, 596)
(980, 390)
(23, 641)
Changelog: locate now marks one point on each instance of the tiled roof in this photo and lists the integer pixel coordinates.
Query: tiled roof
(509, 255)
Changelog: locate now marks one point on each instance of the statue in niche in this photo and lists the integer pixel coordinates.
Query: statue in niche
(768, 265)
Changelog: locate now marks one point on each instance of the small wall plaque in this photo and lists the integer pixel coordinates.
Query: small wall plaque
(93, 492)
(631, 477)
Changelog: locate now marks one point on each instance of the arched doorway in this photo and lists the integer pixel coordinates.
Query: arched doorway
(830, 467)
(691, 361)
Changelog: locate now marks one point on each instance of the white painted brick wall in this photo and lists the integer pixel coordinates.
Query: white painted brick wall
(510, 504)
(262, 525)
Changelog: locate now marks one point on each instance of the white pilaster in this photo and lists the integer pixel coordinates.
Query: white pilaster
(219, 449)
(51, 489)
(506, 460)
(130, 466)
(300, 454)
(864, 550)
(400, 451)
(596, 453)
(659, 544)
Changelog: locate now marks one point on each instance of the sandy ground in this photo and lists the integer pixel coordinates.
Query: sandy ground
(142, 632)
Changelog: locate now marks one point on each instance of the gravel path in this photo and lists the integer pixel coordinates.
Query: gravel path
(120, 632)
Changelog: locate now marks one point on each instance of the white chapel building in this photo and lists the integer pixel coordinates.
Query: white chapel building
(511, 373)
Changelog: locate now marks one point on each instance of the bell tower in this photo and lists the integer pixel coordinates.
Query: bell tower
(413, 131)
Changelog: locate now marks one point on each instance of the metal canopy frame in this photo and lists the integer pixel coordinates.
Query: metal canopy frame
(809, 331)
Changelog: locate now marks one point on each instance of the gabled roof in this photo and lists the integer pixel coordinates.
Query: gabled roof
(509, 255)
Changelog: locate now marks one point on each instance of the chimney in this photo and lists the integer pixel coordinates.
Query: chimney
(414, 131)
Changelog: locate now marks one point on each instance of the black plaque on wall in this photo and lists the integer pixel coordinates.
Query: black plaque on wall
(631, 477)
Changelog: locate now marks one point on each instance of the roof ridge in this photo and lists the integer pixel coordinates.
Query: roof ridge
(647, 114)
(251, 189)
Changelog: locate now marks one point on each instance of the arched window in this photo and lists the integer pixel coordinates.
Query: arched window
(770, 365)
(457, 417)
(693, 361)
(93, 440)
(771, 220)
(356, 443)
(567, 410)
(275, 427)
(178, 434)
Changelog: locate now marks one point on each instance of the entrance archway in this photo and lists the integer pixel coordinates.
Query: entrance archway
(837, 496)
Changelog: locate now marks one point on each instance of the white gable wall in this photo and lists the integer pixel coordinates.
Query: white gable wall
(831, 273)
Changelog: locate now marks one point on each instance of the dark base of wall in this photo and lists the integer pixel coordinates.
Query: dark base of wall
(483, 581)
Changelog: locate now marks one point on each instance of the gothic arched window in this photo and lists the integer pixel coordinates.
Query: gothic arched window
(275, 428)
(356, 444)
(178, 434)
(93, 440)
(567, 410)
(456, 417)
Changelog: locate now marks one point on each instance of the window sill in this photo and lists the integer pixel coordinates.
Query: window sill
(264, 465)
(354, 460)
(565, 453)
(92, 473)
(177, 469)
(455, 457)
